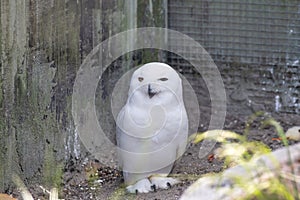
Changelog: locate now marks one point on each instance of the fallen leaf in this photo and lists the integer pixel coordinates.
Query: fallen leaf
(211, 157)
(277, 139)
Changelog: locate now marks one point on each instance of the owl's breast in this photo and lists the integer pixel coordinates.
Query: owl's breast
(149, 130)
(148, 122)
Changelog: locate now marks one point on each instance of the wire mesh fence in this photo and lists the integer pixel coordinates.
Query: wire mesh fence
(255, 43)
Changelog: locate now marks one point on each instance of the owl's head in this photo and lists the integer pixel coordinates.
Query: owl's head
(155, 82)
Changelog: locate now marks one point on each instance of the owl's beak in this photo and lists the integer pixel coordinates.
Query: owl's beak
(150, 92)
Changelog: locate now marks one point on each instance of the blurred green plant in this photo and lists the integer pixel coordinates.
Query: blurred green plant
(236, 149)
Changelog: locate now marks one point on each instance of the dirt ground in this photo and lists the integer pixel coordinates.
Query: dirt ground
(88, 179)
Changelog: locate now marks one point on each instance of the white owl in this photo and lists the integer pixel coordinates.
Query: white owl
(152, 128)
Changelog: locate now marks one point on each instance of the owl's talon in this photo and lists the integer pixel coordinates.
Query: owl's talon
(142, 186)
(169, 185)
(153, 187)
(163, 182)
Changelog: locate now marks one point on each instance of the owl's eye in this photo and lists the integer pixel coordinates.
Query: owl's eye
(163, 79)
(140, 79)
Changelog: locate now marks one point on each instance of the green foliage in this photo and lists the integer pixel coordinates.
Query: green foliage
(236, 149)
(261, 188)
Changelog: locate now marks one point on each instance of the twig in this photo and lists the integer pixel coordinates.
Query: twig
(53, 194)
(21, 186)
(44, 190)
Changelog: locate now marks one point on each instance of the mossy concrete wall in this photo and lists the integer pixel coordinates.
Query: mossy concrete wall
(42, 44)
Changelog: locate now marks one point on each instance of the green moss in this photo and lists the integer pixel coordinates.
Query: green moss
(21, 88)
(148, 18)
(1, 94)
(1, 41)
(159, 13)
(2, 154)
(150, 55)
(52, 170)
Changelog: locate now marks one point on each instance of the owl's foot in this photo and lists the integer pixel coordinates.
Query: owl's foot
(142, 186)
(163, 182)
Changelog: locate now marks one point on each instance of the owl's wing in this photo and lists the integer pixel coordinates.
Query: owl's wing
(122, 124)
(183, 137)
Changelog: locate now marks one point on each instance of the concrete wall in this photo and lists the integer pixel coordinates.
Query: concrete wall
(42, 44)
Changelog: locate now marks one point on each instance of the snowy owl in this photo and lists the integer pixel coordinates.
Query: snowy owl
(152, 128)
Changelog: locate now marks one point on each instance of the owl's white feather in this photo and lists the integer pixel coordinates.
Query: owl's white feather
(152, 127)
